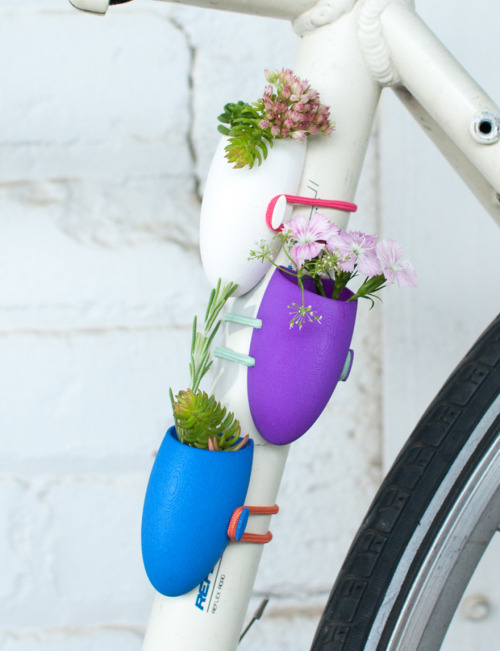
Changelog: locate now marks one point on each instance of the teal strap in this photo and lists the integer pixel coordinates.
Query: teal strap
(347, 366)
(225, 353)
(242, 320)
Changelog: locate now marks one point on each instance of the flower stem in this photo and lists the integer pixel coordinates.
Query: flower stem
(301, 285)
(341, 280)
(319, 286)
(370, 286)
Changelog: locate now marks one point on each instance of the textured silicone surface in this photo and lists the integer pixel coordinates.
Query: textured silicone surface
(189, 502)
(295, 370)
(233, 211)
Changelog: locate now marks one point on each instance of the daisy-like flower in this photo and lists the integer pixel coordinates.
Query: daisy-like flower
(330, 258)
(394, 268)
(357, 250)
(308, 236)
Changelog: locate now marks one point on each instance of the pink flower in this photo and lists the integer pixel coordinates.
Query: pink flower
(309, 236)
(290, 104)
(390, 254)
(358, 250)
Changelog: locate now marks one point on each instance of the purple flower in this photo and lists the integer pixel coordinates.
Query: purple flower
(390, 254)
(309, 236)
(357, 250)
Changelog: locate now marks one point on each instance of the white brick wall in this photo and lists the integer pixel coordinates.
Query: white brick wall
(108, 127)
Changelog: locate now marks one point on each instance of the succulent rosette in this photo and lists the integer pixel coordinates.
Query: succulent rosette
(288, 108)
(200, 420)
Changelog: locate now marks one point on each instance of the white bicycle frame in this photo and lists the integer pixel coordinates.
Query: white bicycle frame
(349, 49)
(350, 53)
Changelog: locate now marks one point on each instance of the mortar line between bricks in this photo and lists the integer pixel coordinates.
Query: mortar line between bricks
(191, 110)
(93, 330)
(293, 611)
(72, 630)
(47, 481)
(296, 595)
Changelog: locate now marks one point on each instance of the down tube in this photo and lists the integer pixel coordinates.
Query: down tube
(330, 58)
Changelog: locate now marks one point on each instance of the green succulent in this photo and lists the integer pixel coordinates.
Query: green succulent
(200, 420)
(288, 108)
(248, 141)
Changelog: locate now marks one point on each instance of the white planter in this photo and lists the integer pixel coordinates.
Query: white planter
(234, 209)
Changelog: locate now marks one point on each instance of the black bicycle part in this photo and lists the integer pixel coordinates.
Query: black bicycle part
(405, 495)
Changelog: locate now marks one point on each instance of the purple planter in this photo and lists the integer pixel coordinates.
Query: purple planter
(295, 370)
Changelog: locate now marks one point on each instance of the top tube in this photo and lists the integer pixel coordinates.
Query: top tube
(286, 9)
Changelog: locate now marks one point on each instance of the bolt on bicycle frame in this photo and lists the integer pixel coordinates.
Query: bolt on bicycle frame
(348, 49)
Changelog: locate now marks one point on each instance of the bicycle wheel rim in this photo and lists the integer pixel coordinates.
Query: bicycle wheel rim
(418, 615)
(439, 502)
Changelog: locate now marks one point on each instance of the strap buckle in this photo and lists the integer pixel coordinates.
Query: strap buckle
(276, 208)
(239, 520)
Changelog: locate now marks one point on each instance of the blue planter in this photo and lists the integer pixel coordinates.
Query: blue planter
(189, 502)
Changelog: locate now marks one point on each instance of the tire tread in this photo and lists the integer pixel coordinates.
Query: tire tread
(404, 496)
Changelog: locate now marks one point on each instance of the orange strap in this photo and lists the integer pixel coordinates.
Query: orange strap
(251, 537)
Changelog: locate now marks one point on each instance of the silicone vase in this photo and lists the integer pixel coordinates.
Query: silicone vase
(190, 498)
(296, 371)
(234, 207)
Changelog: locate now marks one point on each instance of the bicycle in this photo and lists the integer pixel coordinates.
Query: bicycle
(483, 124)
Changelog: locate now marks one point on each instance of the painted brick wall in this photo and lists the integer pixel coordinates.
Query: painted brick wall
(108, 131)
(108, 127)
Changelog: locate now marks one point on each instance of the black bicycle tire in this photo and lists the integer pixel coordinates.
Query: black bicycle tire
(400, 505)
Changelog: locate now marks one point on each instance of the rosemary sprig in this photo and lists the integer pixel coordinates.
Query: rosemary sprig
(200, 420)
(201, 341)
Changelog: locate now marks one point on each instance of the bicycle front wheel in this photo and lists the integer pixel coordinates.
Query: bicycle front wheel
(430, 522)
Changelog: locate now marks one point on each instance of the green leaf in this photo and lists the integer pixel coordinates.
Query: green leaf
(201, 417)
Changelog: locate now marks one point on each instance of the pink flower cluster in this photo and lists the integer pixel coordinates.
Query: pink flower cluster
(349, 252)
(291, 108)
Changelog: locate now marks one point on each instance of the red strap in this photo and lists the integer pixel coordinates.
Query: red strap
(264, 510)
(258, 538)
(251, 537)
(308, 201)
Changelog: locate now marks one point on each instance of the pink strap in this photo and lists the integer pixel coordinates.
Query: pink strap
(308, 201)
